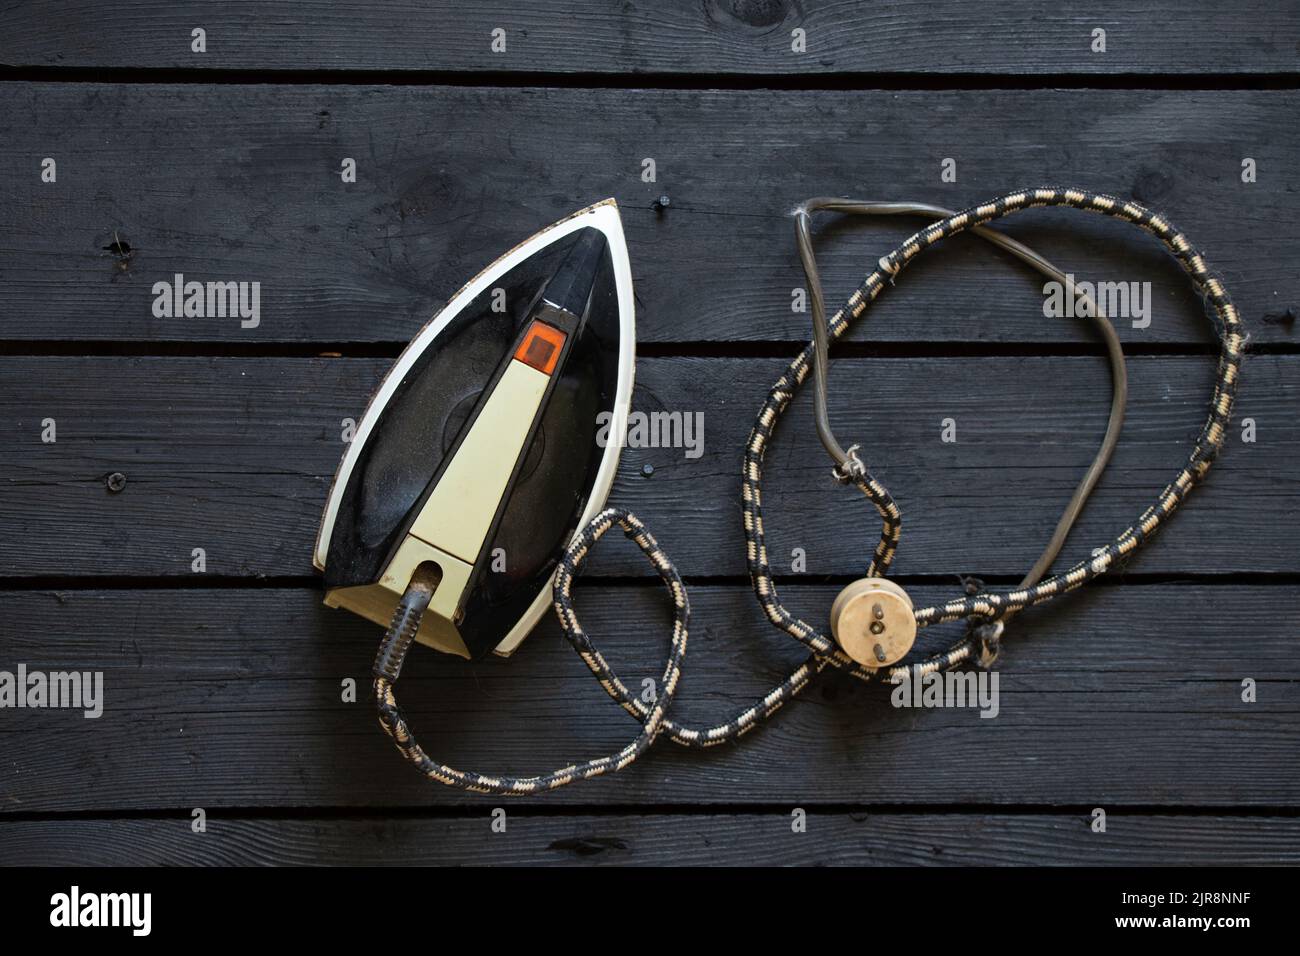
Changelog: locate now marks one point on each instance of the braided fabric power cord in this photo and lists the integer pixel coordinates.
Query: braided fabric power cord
(991, 609)
(406, 622)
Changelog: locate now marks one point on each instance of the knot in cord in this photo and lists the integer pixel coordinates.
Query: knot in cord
(851, 469)
(990, 640)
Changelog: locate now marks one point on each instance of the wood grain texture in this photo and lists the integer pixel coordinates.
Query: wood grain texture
(227, 698)
(834, 839)
(667, 36)
(236, 455)
(224, 692)
(241, 182)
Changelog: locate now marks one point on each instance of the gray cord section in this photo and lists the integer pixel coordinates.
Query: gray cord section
(847, 462)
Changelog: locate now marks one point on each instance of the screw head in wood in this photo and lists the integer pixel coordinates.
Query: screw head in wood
(872, 622)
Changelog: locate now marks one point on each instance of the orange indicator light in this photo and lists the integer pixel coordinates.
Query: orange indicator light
(541, 347)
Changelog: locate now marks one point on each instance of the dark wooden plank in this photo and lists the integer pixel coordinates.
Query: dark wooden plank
(241, 183)
(877, 839)
(678, 36)
(1113, 697)
(235, 456)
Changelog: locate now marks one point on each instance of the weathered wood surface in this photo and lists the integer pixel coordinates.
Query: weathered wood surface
(236, 455)
(666, 36)
(223, 690)
(226, 698)
(241, 182)
(857, 839)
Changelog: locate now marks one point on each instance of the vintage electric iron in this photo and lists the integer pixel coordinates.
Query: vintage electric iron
(474, 490)
(478, 456)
